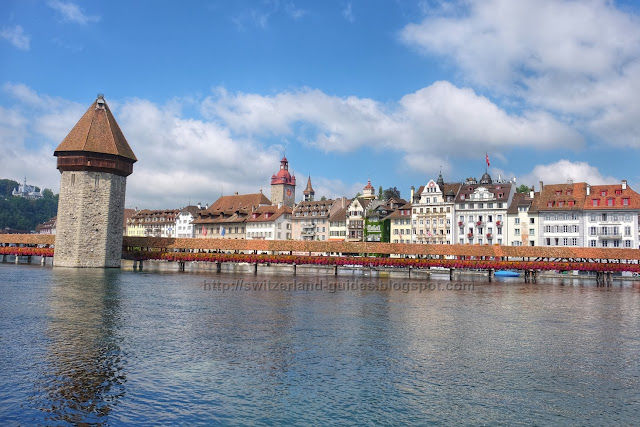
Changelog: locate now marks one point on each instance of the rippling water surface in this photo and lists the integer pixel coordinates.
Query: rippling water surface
(110, 347)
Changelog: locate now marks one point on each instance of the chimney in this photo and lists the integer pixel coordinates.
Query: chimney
(199, 205)
(531, 192)
(344, 202)
(541, 186)
(624, 184)
(413, 189)
(236, 193)
(206, 206)
(279, 205)
(588, 189)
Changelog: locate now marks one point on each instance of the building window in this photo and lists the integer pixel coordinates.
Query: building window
(627, 243)
(517, 221)
(517, 231)
(592, 243)
(625, 202)
(595, 202)
(605, 243)
(574, 241)
(609, 202)
(532, 231)
(627, 230)
(603, 193)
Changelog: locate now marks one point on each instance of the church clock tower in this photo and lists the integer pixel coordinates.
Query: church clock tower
(283, 185)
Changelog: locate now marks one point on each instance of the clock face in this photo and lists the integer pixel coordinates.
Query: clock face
(289, 192)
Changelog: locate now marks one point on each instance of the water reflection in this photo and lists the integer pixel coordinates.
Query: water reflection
(83, 376)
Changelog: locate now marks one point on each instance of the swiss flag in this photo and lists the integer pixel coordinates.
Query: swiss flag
(487, 159)
(204, 230)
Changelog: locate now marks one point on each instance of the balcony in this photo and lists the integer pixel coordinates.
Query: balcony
(609, 236)
(308, 233)
(307, 225)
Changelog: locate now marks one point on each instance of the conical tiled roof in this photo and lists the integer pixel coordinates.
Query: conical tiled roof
(97, 132)
(309, 188)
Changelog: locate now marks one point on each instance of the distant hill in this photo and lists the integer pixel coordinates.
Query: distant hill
(24, 214)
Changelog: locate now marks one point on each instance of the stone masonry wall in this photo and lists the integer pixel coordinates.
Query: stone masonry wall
(90, 218)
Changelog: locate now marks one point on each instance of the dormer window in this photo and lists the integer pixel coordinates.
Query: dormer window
(625, 202)
(549, 204)
(603, 193)
(558, 193)
(609, 202)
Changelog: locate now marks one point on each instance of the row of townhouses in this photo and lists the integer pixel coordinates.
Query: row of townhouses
(472, 212)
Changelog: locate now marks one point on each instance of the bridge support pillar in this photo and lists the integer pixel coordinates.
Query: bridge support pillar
(410, 271)
(180, 265)
(295, 267)
(335, 270)
(451, 272)
(17, 259)
(43, 261)
(2, 258)
(490, 275)
(255, 268)
(218, 267)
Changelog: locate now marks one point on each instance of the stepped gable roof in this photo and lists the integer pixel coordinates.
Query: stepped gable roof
(519, 199)
(612, 192)
(309, 188)
(97, 132)
(562, 197)
(268, 213)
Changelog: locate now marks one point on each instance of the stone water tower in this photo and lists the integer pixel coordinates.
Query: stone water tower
(94, 161)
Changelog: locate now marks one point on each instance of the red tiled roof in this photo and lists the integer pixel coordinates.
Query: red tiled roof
(615, 193)
(97, 132)
(268, 213)
(562, 197)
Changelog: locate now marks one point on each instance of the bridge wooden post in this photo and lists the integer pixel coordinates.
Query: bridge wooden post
(180, 265)
(451, 272)
(2, 259)
(295, 267)
(490, 275)
(43, 261)
(335, 270)
(218, 267)
(255, 268)
(17, 259)
(410, 271)
(135, 264)
(140, 265)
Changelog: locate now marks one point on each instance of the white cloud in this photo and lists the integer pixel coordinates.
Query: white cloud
(564, 170)
(16, 37)
(347, 12)
(574, 58)
(425, 125)
(71, 12)
(294, 12)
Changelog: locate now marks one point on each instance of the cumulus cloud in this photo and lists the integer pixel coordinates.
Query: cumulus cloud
(231, 147)
(564, 170)
(71, 12)
(16, 36)
(425, 125)
(569, 57)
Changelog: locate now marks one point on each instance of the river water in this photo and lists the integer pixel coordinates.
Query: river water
(112, 347)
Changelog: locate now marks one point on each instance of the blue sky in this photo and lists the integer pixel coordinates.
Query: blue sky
(210, 93)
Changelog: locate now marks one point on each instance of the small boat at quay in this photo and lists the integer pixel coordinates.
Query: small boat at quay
(506, 273)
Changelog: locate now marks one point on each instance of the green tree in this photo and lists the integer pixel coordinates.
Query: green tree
(380, 193)
(391, 192)
(323, 198)
(523, 189)
(6, 187)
